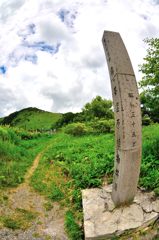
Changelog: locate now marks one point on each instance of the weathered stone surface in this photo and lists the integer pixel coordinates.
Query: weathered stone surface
(110, 221)
(127, 119)
(147, 206)
(89, 229)
(131, 217)
(102, 220)
(140, 198)
(149, 218)
(155, 206)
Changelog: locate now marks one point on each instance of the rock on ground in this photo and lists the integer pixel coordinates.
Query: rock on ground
(102, 220)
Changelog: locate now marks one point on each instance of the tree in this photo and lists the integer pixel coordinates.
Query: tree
(65, 119)
(98, 108)
(150, 80)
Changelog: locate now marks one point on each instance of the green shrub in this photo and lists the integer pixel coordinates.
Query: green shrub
(76, 129)
(26, 135)
(103, 126)
(4, 134)
(8, 134)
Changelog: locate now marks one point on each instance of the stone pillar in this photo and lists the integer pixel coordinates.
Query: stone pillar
(127, 119)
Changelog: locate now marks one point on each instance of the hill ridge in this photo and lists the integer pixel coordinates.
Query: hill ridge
(31, 118)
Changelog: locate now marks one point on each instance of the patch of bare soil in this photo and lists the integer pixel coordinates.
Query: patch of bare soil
(47, 222)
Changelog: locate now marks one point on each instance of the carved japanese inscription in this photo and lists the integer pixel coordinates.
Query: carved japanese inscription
(127, 119)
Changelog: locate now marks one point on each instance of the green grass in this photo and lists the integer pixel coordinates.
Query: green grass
(81, 162)
(149, 176)
(73, 229)
(32, 119)
(18, 149)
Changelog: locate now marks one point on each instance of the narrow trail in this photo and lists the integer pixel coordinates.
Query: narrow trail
(32, 169)
(48, 224)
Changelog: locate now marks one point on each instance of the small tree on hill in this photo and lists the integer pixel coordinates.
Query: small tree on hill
(98, 108)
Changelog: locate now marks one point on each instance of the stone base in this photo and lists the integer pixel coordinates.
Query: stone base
(103, 221)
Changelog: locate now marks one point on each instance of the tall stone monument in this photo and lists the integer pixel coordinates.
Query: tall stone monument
(112, 210)
(127, 119)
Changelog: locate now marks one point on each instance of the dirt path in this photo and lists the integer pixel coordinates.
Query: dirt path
(32, 169)
(40, 219)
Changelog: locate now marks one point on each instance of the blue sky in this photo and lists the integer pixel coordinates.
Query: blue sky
(3, 70)
(51, 51)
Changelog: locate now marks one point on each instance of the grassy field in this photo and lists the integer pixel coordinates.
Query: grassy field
(31, 119)
(70, 164)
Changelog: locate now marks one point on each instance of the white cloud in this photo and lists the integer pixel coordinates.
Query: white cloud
(64, 77)
(9, 8)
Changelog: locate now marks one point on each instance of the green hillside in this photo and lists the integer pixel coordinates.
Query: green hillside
(31, 119)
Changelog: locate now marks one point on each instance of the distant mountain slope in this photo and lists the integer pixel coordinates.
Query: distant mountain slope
(31, 119)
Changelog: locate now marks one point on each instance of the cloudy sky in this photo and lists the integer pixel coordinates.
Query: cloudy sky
(51, 54)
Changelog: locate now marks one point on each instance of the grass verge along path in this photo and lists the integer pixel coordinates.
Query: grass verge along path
(25, 214)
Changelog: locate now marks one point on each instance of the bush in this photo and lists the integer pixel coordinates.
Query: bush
(103, 126)
(8, 134)
(95, 127)
(76, 129)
